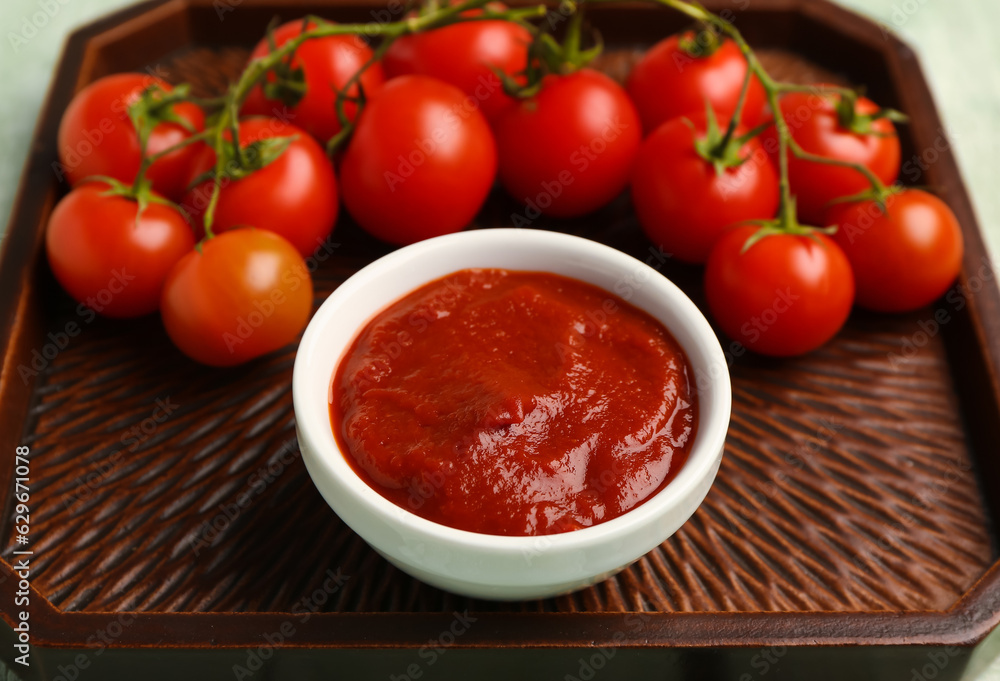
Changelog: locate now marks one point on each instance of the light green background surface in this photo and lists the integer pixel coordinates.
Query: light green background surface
(956, 41)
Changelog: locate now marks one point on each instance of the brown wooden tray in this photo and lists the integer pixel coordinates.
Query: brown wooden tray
(850, 529)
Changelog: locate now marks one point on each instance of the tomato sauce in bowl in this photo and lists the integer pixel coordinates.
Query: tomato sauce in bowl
(514, 403)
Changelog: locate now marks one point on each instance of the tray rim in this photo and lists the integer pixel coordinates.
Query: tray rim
(965, 623)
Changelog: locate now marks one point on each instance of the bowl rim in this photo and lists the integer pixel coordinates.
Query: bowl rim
(713, 414)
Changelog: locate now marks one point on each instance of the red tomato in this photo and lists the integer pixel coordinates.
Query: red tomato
(786, 295)
(668, 82)
(812, 119)
(96, 136)
(904, 257)
(246, 293)
(327, 63)
(420, 163)
(294, 196)
(569, 149)
(108, 261)
(683, 204)
(462, 54)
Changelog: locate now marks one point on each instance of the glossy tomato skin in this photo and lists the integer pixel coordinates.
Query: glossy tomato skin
(903, 257)
(104, 259)
(462, 54)
(569, 149)
(294, 196)
(668, 82)
(246, 293)
(785, 296)
(328, 63)
(812, 119)
(96, 136)
(682, 204)
(420, 163)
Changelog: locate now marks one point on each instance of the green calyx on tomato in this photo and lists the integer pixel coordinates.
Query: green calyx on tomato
(721, 149)
(239, 161)
(787, 223)
(770, 228)
(880, 195)
(289, 83)
(703, 43)
(141, 191)
(849, 118)
(905, 252)
(547, 56)
(236, 161)
(155, 106)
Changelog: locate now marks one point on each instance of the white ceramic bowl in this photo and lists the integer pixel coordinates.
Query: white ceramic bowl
(489, 566)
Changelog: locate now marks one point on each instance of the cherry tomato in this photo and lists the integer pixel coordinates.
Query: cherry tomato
(569, 149)
(683, 204)
(786, 295)
(246, 293)
(669, 82)
(294, 196)
(463, 54)
(327, 64)
(106, 259)
(813, 121)
(420, 163)
(96, 136)
(903, 257)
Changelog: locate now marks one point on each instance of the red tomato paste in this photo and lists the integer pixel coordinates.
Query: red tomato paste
(514, 403)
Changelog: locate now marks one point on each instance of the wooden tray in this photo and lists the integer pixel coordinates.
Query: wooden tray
(850, 530)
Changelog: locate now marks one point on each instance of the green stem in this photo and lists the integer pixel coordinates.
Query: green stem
(433, 18)
(787, 220)
(208, 102)
(572, 44)
(346, 124)
(814, 88)
(187, 141)
(257, 69)
(738, 112)
(801, 153)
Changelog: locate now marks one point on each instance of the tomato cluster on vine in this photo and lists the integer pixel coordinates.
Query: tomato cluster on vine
(786, 193)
